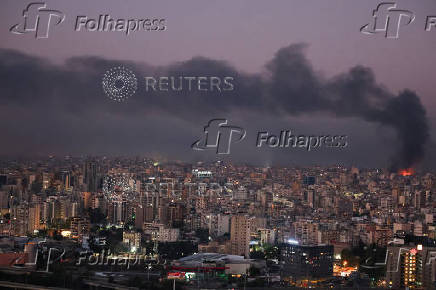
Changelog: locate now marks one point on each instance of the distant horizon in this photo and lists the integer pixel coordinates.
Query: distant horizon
(292, 141)
(311, 75)
(163, 161)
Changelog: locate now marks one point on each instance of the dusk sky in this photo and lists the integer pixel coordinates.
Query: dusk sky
(51, 101)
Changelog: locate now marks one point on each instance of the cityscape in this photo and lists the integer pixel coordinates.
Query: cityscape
(137, 222)
(228, 145)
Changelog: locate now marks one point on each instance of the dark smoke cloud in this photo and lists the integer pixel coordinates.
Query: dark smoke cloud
(65, 103)
(297, 89)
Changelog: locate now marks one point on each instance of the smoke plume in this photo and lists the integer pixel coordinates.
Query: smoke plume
(42, 104)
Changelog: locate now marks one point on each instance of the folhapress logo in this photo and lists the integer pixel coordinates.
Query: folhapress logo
(219, 135)
(38, 19)
(388, 20)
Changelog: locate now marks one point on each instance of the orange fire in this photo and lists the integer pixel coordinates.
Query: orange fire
(406, 172)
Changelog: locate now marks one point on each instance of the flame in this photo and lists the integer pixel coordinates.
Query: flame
(406, 172)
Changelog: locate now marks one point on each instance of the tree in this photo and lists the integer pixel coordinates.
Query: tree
(271, 251)
(121, 248)
(177, 250)
(96, 216)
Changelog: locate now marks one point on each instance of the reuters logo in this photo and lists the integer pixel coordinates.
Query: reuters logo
(119, 83)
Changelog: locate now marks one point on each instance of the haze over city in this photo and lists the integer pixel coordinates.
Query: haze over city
(244, 144)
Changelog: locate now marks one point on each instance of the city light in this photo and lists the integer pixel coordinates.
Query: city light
(293, 242)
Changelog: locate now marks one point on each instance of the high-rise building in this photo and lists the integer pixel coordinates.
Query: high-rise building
(132, 239)
(139, 216)
(266, 199)
(419, 199)
(66, 179)
(20, 219)
(119, 209)
(87, 198)
(219, 224)
(240, 236)
(46, 179)
(168, 234)
(149, 213)
(307, 233)
(411, 266)
(268, 236)
(175, 214)
(309, 180)
(79, 227)
(4, 199)
(74, 209)
(310, 198)
(91, 176)
(34, 217)
(55, 209)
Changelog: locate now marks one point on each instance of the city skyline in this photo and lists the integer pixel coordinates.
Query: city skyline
(232, 144)
(64, 111)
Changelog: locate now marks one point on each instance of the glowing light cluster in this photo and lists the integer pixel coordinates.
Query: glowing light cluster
(406, 172)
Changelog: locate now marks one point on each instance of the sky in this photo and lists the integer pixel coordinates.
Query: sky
(51, 100)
